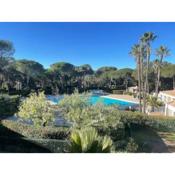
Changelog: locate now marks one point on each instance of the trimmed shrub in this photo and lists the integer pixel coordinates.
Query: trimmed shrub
(28, 145)
(8, 105)
(161, 123)
(16, 129)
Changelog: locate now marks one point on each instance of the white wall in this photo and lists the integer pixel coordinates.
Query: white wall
(169, 110)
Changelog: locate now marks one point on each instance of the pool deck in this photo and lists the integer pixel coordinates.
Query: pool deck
(126, 98)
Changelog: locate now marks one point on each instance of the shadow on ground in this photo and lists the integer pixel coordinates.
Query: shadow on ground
(148, 140)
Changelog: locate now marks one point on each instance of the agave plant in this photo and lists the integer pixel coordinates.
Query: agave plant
(87, 140)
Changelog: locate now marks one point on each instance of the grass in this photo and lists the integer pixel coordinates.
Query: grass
(150, 140)
(169, 136)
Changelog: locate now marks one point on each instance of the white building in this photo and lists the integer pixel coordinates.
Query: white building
(133, 89)
(168, 97)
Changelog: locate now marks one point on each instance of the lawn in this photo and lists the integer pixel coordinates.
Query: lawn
(154, 141)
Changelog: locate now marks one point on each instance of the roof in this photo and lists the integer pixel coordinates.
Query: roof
(169, 92)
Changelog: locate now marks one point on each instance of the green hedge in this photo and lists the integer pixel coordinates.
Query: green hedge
(8, 105)
(160, 123)
(16, 129)
(26, 145)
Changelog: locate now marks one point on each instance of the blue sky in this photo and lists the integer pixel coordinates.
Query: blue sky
(97, 44)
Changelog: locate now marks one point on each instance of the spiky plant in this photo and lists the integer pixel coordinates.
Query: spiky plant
(87, 140)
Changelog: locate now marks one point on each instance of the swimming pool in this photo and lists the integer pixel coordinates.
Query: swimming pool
(110, 101)
(94, 99)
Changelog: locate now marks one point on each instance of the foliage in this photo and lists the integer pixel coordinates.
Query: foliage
(8, 105)
(62, 67)
(6, 48)
(30, 68)
(161, 123)
(28, 138)
(102, 70)
(87, 140)
(153, 102)
(23, 130)
(74, 100)
(31, 145)
(131, 146)
(37, 108)
(23, 76)
(81, 113)
(168, 70)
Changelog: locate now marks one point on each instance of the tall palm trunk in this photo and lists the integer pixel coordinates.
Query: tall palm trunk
(158, 77)
(144, 99)
(147, 68)
(146, 83)
(139, 83)
(157, 83)
(142, 83)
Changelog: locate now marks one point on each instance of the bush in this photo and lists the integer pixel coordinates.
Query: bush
(127, 145)
(80, 113)
(16, 129)
(37, 108)
(161, 123)
(8, 105)
(28, 145)
(87, 140)
(108, 120)
(131, 146)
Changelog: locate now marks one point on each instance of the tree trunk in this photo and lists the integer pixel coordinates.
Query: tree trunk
(146, 84)
(139, 83)
(157, 83)
(144, 98)
(147, 71)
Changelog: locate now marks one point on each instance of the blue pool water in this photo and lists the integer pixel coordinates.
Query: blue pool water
(99, 99)
(109, 101)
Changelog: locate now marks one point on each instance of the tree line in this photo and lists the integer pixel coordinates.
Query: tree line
(23, 76)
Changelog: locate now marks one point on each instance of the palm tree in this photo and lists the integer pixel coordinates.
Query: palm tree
(136, 53)
(153, 102)
(161, 52)
(156, 68)
(146, 39)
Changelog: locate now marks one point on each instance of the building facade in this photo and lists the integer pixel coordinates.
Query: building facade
(168, 97)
